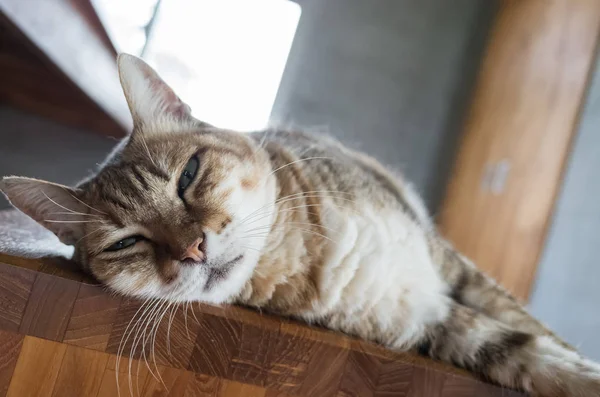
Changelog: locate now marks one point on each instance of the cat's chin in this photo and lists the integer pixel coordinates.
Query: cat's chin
(218, 283)
(220, 273)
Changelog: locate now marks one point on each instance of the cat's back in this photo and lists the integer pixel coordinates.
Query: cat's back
(350, 178)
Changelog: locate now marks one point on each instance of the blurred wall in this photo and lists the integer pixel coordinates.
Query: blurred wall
(567, 292)
(36, 147)
(390, 77)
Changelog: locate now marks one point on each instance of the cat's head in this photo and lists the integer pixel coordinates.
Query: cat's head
(179, 210)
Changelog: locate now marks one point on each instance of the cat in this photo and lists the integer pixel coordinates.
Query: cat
(295, 224)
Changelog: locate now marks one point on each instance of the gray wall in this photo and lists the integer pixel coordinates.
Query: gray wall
(567, 290)
(36, 147)
(391, 77)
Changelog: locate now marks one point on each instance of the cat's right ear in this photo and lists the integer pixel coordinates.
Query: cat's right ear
(56, 207)
(153, 104)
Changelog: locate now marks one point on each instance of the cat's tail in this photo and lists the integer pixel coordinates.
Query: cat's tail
(471, 287)
(511, 358)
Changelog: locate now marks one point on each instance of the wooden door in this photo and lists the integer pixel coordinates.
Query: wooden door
(517, 136)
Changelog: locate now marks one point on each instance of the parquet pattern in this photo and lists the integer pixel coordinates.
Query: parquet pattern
(60, 337)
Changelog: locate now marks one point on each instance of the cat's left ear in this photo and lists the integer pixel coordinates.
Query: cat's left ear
(54, 206)
(151, 101)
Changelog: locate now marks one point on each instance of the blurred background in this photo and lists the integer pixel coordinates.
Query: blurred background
(492, 108)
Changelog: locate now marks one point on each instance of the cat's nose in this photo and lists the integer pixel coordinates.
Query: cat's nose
(195, 252)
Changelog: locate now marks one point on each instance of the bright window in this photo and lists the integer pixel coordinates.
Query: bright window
(225, 58)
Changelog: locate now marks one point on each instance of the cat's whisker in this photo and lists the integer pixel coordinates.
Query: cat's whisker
(263, 141)
(319, 196)
(250, 248)
(299, 161)
(72, 214)
(295, 223)
(62, 206)
(157, 320)
(87, 205)
(187, 331)
(194, 314)
(156, 327)
(153, 321)
(311, 192)
(285, 224)
(329, 193)
(308, 231)
(292, 209)
(140, 329)
(260, 274)
(299, 210)
(147, 149)
(314, 195)
(123, 342)
(150, 316)
(58, 221)
(89, 234)
(318, 205)
(153, 334)
(252, 219)
(145, 318)
(171, 317)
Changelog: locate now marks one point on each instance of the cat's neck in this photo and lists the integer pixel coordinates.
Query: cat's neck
(283, 280)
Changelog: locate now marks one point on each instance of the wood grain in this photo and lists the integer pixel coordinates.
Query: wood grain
(360, 375)
(426, 382)
(276, 393)
(122, 365)
(49, 308)
(458, 386)
(125, 387)
(524, 110)
(304, 366)
(124, 322)
(92, 318)
(236, 389)
(81, 373)
(395, 379)
(40, 360)
(10, 348)
(178, 328)
(218, 342)
(200, 385)
(15, 287)
(210, 351)
(252, 360)
(165, 381)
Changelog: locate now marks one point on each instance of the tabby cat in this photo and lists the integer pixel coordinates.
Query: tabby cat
(295, 224)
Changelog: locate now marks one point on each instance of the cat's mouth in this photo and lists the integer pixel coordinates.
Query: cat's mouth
(219, 272)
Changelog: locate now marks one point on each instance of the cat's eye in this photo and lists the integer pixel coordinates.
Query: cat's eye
(187, 175)
(126, 242)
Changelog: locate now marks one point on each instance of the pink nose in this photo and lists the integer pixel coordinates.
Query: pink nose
(194, 252)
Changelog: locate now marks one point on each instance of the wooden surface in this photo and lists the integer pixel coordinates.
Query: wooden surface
(60, 335)
(56, 61)
(524, 111)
